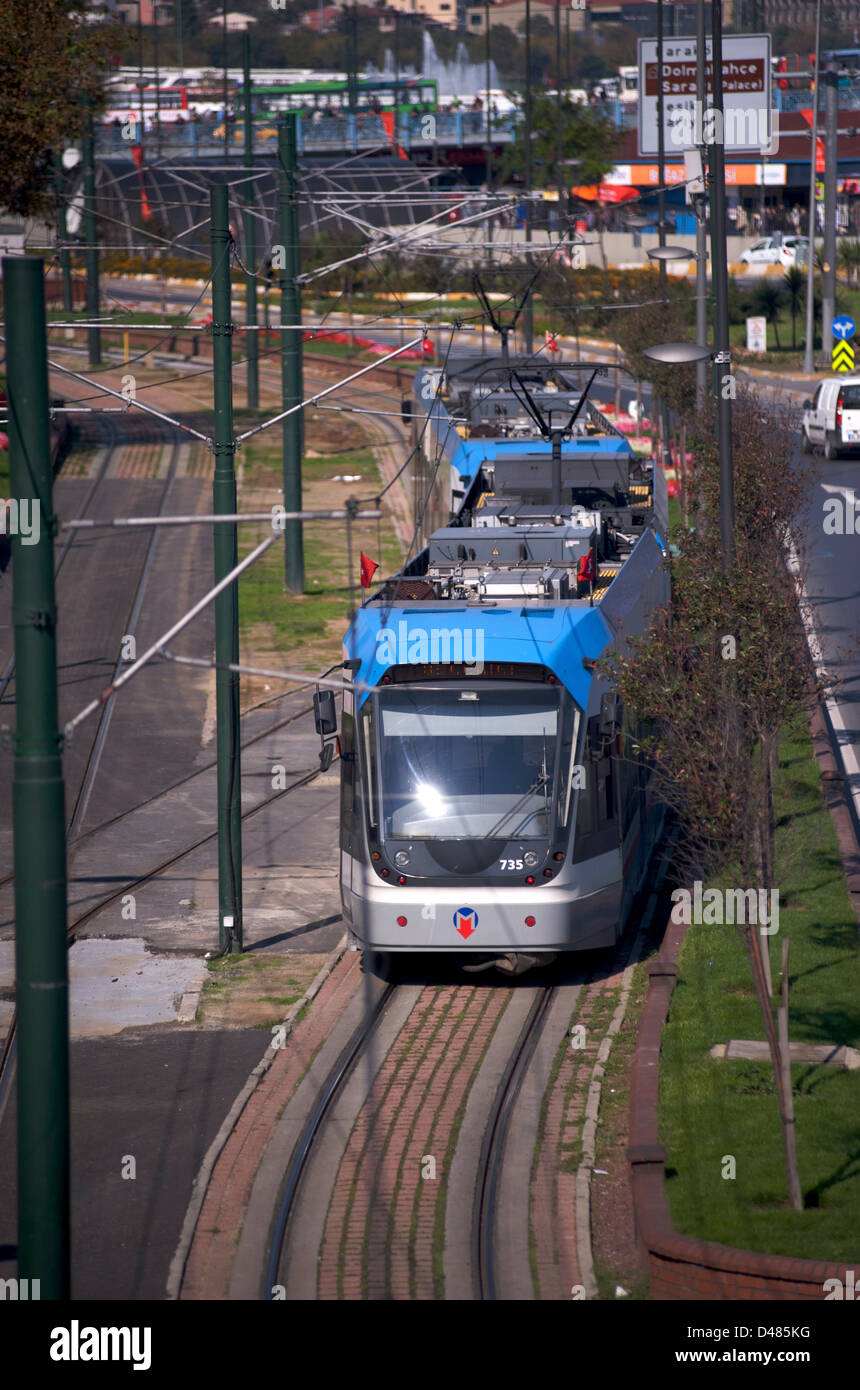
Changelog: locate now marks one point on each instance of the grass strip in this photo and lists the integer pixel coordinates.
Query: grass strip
(710, 1110)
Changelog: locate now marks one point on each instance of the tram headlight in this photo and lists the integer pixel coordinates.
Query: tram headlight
(530, 859)
(401, 859)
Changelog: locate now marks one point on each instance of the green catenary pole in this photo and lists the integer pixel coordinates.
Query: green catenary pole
(252, 368)
(94, 339)
(62, 234)
(291, 350)
(38, 801)
(227, 603)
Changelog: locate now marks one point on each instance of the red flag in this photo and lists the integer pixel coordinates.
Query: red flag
(367, 571)
(137, 156)
(585, 573)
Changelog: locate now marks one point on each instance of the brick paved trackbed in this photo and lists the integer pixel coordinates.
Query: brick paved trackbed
(369, 1225)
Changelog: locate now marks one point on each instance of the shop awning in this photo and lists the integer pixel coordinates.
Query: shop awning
(605, 193)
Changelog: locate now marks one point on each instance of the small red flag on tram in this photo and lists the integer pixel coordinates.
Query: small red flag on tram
(368, 567)
(585, 574)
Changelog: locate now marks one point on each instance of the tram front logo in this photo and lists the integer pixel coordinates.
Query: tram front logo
(465, 921)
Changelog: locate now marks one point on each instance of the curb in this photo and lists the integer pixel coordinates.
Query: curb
(584, 1250)
(201, 1181)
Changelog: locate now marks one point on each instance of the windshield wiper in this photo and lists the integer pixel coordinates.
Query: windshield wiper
(540, 781)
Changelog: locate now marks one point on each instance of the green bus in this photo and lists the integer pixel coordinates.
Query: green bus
(335, 97)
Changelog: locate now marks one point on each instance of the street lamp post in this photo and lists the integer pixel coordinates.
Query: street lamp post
(808, 364)
(661, 204)
(699, 352)
(700, 203)
(720, 274)
(828, 270)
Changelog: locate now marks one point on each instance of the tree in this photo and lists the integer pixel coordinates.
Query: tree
(586, 136)
(794, 281)
(768, 300)
(716, 720)
(50, 59)
(848, 258)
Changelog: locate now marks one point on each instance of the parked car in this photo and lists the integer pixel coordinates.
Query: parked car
(832, 418)
(777, 250)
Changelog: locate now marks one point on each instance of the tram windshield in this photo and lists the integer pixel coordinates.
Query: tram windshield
(482, 763)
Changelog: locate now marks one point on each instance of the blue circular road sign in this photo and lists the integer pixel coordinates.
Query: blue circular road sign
(843, 327)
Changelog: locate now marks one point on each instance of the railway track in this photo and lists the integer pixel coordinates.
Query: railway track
(415, 1170)
(100, 731)
(493, 1148)
(7, 1058)
(98, 737)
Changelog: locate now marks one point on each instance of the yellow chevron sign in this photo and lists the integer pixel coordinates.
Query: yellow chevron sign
(843, 357)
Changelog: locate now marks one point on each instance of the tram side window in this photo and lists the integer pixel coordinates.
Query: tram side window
(596, 827)
(630, 773)
(349, 823)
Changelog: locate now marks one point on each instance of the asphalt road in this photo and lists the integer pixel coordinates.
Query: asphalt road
(159, 1099)
(832, 581)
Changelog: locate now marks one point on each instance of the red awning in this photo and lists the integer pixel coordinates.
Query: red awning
(606, 193)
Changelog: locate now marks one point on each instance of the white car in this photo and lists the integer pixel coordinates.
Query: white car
(832, 418)
(777, 250)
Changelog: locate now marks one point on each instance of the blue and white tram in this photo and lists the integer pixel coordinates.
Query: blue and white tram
(491, 804)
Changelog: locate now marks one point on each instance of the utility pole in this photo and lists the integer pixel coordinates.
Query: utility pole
(94, 340)
(661, 146)
(157, 80)
(720, 274)
(226, 76)
(252, 369)
(559, 152)
(489, 125)
(808, 362)
(567, 49)
(528, 314)
(41, 962)
(229, 752)
(62, 233)
(352, 58)
(701, 206)
(661, 201)
(140, 85)
(828, 275)
(291, 351)
(396, 69)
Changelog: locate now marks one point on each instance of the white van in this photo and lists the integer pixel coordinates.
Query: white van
(832, 418)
